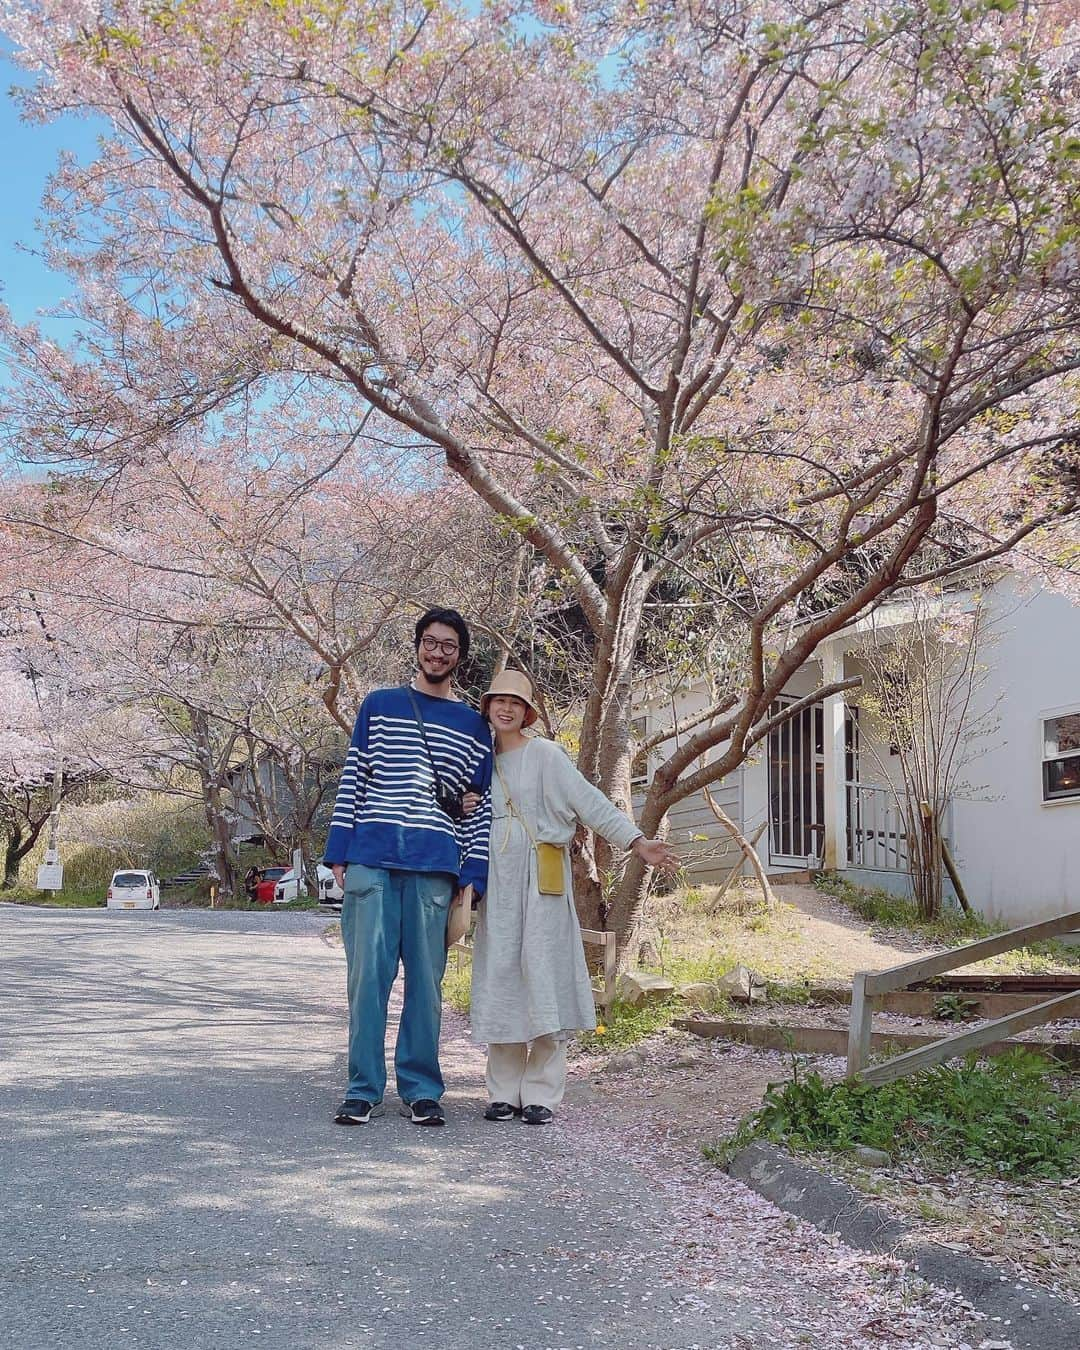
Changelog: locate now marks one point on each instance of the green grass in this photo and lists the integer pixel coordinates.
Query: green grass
(254, 908)
(457, 985)
(1016, 1115)
(67, 899)
(625, 1024)
(876, 905)
(793, 995)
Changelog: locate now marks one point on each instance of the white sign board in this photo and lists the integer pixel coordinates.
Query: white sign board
(50, 877)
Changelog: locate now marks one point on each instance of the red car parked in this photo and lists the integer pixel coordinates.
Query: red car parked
(268, 880)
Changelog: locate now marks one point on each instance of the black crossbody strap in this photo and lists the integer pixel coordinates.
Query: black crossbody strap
(423, 735)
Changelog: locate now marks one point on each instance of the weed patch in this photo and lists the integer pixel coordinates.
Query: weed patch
(624, 1024)
(1012, 1116)
(876, 905)
(457, 986)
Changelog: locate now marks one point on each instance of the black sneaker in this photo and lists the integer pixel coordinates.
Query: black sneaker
(537, 1115)
(424, 1112)
(353, 1111)
(501, 1111)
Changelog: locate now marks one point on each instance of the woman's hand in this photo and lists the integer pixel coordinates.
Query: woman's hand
(656, 853)
(338, 870)
(470, 802)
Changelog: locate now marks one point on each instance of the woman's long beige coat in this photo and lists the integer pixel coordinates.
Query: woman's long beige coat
(529, 973)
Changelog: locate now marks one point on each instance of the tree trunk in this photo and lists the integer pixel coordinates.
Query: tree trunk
(13, 857)
(221, 835)
(627, 907)
(588, 892)
(17, 845)
(213, 807)
(595, 863)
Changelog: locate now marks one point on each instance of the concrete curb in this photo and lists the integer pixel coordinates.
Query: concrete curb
(1030, 1318)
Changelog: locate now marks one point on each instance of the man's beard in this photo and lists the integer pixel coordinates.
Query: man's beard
(436, 677)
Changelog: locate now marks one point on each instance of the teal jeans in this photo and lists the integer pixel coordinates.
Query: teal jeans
(392, 918)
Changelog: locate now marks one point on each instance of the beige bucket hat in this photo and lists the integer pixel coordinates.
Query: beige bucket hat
(518, 685)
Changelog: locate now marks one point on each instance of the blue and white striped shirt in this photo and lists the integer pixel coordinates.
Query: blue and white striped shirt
(385, 814)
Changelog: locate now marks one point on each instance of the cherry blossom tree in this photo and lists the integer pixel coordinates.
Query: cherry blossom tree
(59, 733)
(230, 606)
(741, 316)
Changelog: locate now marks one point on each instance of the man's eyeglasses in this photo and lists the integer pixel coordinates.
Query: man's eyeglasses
(444, 645)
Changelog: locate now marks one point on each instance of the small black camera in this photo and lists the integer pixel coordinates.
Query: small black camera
(449, 801)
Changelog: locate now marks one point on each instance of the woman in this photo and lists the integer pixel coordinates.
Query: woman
(530, 984)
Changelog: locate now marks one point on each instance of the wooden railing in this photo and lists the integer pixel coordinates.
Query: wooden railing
(877, 827)
(868, 986)
(593, 937)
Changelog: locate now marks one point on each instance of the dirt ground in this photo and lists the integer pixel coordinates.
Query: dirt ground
(832, 931)
(807, 935)
(695, 1091)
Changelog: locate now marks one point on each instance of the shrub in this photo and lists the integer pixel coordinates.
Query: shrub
(1011, 1116)
(153, 830)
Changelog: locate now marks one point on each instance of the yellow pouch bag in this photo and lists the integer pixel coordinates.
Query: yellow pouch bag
(550, 871)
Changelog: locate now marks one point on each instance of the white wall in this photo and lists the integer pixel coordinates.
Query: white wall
(705, 860)
(1020, 859)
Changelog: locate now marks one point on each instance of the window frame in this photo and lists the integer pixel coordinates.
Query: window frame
(1050, 715)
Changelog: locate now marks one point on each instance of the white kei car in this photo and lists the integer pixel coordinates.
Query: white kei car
(288, 887)
(132, 888)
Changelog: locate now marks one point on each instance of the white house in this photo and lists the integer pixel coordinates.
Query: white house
(818, 790)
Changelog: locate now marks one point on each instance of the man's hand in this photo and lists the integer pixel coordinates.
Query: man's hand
(656, 853)
(470, 802)
(464, 896)
(338, 870)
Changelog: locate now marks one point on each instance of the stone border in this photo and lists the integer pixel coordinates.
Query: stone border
(1030, 1318)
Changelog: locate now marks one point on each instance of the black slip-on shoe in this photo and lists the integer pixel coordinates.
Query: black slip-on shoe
(352, 1111)
(501, 1111)
(424, 1112)
(537, 1115)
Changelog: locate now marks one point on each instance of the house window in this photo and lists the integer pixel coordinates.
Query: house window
(1061, 756)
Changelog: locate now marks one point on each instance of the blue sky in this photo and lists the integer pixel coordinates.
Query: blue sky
(30, 154)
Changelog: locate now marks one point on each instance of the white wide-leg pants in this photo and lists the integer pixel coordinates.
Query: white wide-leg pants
(527, 1073)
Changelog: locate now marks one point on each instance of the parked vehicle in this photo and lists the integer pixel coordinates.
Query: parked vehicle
(268, 880)
(289, 887)
(131, 888)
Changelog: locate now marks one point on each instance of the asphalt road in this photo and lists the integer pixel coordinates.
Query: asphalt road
(170, 1176)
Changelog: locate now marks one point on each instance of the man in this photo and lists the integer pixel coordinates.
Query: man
(401, 858)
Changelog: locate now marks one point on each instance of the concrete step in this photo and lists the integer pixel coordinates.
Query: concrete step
(833, 1040)
(188, 878)
(997, 997)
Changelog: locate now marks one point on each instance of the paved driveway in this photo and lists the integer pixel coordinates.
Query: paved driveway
(170, 1175)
